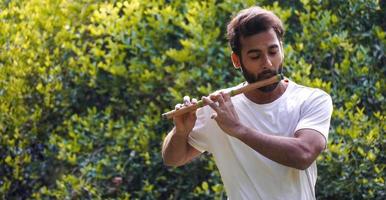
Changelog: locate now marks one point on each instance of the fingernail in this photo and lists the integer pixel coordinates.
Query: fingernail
(214, 115)
(186, 99)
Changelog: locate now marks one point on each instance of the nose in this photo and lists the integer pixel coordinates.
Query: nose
(267, 62)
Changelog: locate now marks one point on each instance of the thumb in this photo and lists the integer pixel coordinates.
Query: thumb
(178, 120)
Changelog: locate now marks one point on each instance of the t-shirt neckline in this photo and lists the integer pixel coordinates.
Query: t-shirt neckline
(289, 87)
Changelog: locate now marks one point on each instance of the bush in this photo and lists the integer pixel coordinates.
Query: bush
(83, 85)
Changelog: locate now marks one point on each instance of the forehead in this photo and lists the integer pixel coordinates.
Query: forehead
(261, 41)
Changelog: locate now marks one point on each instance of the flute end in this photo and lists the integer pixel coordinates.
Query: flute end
(280, 76)
(164, 116)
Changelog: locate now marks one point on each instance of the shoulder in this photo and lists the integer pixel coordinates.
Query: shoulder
(310, 98)
(308, 93)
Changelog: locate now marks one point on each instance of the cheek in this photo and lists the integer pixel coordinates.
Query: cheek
(252, 64)
(278, 59)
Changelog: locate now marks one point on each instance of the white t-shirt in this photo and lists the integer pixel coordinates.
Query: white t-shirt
(247, 174)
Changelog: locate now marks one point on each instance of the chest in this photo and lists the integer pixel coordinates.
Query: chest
(278, 119)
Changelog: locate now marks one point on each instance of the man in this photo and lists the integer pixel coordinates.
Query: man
(264, 142)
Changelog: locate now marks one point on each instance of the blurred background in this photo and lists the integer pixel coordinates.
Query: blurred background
(83, 85)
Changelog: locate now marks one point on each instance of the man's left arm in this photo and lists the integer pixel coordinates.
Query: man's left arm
(298, 152)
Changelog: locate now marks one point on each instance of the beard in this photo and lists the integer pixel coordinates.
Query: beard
(266, 74)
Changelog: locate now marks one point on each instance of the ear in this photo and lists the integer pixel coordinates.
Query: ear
(235, 60)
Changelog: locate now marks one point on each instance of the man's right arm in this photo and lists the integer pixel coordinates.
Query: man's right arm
(176, 150)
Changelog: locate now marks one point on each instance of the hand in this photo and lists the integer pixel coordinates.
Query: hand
(185, 123)
(225, 113)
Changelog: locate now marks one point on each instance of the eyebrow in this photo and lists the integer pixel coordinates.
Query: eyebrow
(274, 46)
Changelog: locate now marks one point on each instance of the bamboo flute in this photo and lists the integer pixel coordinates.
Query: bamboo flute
(232, 93)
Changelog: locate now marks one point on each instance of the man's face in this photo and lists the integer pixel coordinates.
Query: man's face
(261, 57)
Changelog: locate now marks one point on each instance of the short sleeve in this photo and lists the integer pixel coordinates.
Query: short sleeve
(198, 138)
(316, 113)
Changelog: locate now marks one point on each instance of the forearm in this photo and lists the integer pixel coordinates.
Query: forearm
(289, 151)
(175, 148)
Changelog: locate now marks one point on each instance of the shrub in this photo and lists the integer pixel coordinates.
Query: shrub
(83, 85)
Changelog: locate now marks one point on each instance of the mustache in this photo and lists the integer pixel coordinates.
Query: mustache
(266, 74)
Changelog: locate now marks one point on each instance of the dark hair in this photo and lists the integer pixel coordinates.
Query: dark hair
(251, 21)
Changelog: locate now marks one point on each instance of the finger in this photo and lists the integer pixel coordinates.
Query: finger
(194, 101)
(178, 106)
(213, 97)
(210, 103)
(225, 96)
(186, 100)
(220, 100)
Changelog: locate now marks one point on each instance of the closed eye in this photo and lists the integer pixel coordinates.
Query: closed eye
(255, 57)
(273, 53)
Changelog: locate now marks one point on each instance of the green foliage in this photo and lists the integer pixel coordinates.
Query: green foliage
(83, 85)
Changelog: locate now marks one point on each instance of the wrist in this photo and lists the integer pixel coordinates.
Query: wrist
(240, 131)
(183, 133)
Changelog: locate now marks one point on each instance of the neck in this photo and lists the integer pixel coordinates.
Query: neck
(260, 97)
